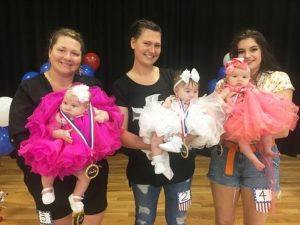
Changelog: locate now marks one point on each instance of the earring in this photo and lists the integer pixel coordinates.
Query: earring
(79, 71)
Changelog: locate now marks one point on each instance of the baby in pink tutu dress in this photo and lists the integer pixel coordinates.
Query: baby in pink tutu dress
(254, 115)
(69, 132)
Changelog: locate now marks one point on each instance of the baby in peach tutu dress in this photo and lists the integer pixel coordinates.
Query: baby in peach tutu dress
(254, 115)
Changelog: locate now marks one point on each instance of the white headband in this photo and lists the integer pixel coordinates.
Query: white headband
(81, 91)
(187, 75)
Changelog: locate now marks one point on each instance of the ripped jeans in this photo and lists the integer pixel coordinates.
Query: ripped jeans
(177, 200)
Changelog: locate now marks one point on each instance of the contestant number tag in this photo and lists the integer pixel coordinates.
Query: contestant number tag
(184, 200)
(263, 198)
(263, 195)
(45, 217)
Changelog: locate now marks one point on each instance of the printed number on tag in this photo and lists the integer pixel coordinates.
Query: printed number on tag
(263, 195)
(184, 196)
(45, 217)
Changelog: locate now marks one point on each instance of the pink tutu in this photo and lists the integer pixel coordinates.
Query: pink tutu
(55, 157)
(258, 113)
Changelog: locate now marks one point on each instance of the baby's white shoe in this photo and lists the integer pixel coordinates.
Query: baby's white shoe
(76, 203)
(159, 168)
(173, 145)
(48, 195)
(158, 163)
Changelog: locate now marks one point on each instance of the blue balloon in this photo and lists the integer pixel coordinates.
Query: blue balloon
(29, 75)
(221, 73)
(211, 86)
(5, 145)
(45, 67)
(87, 70)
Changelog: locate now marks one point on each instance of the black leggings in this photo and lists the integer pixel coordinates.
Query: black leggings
(95, 199)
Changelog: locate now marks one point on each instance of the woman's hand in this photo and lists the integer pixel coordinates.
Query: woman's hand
(129, 139)
(286, 94)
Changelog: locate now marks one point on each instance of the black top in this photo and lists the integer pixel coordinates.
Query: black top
(26, 99)
(139, 169)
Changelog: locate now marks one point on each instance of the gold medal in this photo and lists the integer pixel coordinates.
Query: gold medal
(92, 171)
(78, 218)
(184, 150)
(219, 149)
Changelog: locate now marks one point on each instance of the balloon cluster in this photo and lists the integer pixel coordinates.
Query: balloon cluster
(220, 75)
(5, 145)
(90, 63)
(91, 59)
(44, 68)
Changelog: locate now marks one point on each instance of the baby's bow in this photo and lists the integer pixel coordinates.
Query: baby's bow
(187, 75)
(235, 62)
(82, 92)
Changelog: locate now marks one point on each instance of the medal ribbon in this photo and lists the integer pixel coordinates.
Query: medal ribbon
(184, 114)
(91, 144)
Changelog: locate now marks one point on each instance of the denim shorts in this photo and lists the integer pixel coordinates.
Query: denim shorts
(244, 173)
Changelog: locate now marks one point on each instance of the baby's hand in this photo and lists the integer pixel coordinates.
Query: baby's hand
(224, 93)
(63, 134)
(101, 116)
(66, 136)
(167, 103)
(230, 96)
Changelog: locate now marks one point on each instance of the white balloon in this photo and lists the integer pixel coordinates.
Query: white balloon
(226, 58)
(5, 103)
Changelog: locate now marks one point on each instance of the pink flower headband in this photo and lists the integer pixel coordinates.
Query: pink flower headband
(187, 75)
(81, 91)
(235, 63)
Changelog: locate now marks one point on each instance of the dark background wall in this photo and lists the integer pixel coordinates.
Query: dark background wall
(195, 34)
